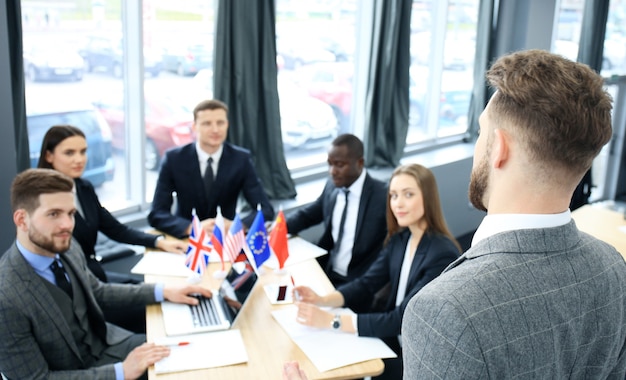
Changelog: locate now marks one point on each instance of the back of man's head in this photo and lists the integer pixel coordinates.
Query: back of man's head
(30, 184)
(353, 143)
(558, 109)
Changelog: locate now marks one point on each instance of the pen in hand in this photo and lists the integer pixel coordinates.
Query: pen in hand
(176, 344)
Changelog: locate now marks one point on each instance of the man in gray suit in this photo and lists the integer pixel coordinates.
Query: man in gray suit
(52, 323)
(533, 297)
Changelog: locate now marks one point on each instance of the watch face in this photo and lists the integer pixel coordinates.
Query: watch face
(336, 323)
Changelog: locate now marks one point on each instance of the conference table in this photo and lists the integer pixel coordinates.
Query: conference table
(603, 223)
(268, 346)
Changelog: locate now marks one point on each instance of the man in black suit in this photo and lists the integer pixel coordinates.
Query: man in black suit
(202, 186)
(364, 228)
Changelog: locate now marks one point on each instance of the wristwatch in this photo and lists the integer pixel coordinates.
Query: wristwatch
(156, 240)
(336, 323)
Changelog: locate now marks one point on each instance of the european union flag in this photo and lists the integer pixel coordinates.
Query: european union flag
(257, 240)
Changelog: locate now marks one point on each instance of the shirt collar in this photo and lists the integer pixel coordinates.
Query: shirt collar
(495, 223)
(204, 156)
(357, 186)
(38, 262)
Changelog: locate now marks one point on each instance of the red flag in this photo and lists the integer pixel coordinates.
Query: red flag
(278, 239)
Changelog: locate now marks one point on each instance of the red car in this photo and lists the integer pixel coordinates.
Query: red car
(167, 125)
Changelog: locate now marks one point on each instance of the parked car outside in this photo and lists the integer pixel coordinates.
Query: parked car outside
(188, 59)
(167, 124)
(105, 53)
(330, 82)
(306, 122)
(44, 113)
(293, 53)
(45, 61)
(454, 100)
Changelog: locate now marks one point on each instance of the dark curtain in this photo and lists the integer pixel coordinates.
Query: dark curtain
(486, 29)
(591, 44)
(387, 99)
(14, 30)
(590, 52)
(245, 79)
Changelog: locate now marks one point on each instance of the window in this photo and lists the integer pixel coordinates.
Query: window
(443, 41)
(74, 53)
(315, 71)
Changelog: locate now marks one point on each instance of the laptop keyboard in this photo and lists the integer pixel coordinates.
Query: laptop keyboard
(205, 312)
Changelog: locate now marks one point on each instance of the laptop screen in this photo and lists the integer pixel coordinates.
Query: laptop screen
(238, 284)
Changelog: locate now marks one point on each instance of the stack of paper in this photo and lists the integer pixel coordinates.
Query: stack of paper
(197, 351)
(329, 349)
(165, 264)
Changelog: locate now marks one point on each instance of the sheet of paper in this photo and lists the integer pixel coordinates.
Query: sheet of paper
(208, 350)
(299, 250)
(329, 349)
(165, 264)
(273, 293)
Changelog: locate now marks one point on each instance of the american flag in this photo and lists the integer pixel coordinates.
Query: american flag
(199, 247)
(235, 240)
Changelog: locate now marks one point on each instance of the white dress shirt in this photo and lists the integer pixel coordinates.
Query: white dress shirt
(203, 157)
(495, 223)
(342, 259)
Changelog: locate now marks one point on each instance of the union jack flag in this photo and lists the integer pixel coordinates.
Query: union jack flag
(199, 247)
(235, 240)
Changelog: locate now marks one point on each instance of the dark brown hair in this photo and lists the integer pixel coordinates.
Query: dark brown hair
(31, 183)
(557, 108)
(54, 136)
(211, 104)
(433, 214)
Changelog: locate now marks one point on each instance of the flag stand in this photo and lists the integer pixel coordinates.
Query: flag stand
(219, 274)
(194, 278)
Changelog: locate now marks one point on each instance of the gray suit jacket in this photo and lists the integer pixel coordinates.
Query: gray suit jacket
(35, 340)
(530, 304)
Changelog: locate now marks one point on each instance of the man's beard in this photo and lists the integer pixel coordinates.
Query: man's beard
(45, 243)
(479, 180)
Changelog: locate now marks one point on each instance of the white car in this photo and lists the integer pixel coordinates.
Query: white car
(306, 122)
(52, 62)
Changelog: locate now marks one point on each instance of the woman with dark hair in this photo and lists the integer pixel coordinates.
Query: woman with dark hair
(64, 148)
(418, 247)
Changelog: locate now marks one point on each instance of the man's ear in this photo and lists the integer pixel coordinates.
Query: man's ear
(20, 218)
(500, 148)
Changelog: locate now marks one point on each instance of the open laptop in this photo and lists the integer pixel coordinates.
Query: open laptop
(215, 313)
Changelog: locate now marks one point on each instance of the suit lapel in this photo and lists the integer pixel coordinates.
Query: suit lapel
(190, 169)
(363, 206)
(34, 285)
(71, 258)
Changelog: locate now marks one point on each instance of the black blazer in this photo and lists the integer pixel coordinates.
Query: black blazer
(180, 173)
(371, 225)
(433, 254)
(97, 218)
